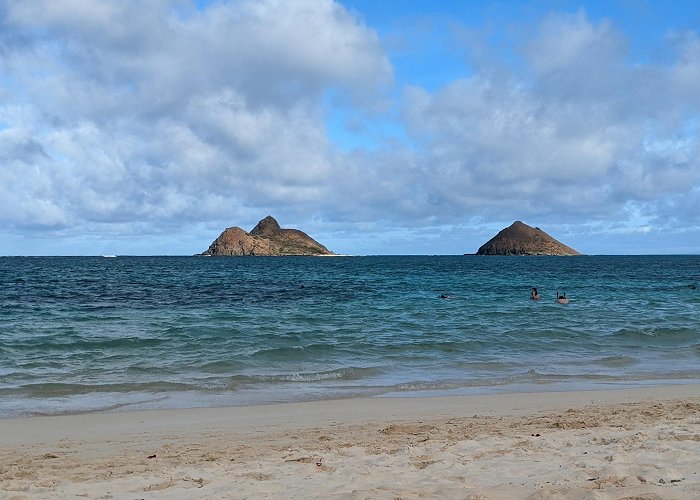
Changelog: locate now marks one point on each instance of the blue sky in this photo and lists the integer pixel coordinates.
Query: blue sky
(411, 127)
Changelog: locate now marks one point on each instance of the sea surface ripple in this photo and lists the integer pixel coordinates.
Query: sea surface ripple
(94, 334)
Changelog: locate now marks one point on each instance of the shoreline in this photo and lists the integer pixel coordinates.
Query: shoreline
(345, 410)
(413, 405)
(582, 444)
(192, 400)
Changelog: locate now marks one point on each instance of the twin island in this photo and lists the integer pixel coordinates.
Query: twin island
(267, 238)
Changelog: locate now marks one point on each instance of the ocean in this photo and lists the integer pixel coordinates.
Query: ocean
(81, 334)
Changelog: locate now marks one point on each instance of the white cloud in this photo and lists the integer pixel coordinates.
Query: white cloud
(149, 111)
(156, 116)
(573, 135)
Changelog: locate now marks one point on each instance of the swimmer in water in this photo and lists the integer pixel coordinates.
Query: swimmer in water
(534, 294)
(562, 299)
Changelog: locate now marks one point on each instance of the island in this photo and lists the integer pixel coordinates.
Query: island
(268, 239)
(521, 239)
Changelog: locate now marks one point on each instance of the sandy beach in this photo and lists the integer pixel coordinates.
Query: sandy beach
(635, 443)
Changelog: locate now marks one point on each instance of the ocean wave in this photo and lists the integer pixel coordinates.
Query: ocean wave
(62, 390)
(617, 361)
(294, 352)
(528, 377)
(220, 366)
(493, 366)
(206, 384)
(339, 374)
(78, 345)
(533, 375)
(417, 386)
(542, 377)
(421, 346)
(658, 334)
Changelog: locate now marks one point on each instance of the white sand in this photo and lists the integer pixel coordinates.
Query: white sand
(638, 443)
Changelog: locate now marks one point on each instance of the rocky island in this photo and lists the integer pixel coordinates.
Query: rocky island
(521, 239)
(267, 238)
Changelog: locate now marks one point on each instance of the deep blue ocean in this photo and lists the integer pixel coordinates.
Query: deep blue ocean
(95, 334)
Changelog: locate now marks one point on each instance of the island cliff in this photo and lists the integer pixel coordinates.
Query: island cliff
(266, 238)
(521, 239)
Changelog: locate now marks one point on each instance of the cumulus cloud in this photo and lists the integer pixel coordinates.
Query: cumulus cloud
(158, 111)
(156, 115)
(574, 135)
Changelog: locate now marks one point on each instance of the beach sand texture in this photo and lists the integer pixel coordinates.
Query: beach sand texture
(638, 443)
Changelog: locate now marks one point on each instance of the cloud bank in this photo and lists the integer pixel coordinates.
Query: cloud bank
(158, 117)
(159, 113)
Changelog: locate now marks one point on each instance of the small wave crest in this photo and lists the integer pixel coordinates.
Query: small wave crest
(58, 343)
(617, 361)
(62, 390)
(293, 352)
(340, 374)
(658, 334)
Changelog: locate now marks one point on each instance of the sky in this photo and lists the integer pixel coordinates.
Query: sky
(412, 127)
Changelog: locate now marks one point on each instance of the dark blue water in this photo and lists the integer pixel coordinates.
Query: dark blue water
(93, 333)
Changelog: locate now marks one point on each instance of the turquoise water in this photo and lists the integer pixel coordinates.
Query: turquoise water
(93, 333)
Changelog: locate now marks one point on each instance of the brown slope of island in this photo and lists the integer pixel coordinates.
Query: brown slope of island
(267, 238)
(521, 239)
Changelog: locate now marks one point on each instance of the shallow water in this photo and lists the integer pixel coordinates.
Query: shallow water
(92, 333)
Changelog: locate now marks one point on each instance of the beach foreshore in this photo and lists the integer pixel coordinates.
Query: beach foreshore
(631, 443)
